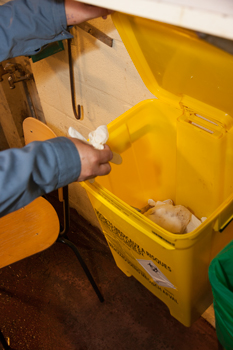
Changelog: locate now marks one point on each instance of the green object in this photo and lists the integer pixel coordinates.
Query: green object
(48, 50)
(221, 280)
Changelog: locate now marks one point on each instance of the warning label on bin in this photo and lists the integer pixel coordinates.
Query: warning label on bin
(155, 273)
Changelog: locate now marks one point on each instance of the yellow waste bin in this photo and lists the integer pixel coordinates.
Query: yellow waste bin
(176, 146)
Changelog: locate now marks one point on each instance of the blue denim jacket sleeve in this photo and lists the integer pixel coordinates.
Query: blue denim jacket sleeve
(28, 25)
(38, 168)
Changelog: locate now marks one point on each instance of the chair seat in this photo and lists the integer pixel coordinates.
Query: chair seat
(28, 231)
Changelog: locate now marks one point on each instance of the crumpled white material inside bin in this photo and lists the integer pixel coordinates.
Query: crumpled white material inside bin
(173, 218)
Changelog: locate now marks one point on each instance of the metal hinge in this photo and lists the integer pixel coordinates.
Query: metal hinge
(16, 73)
(96, 33)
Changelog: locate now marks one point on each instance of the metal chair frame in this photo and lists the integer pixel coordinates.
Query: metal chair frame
(62, 238)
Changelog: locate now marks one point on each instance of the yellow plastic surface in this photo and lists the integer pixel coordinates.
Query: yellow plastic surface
(177, 66)
(170, 150)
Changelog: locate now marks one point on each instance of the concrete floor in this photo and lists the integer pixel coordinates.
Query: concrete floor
(47, 303)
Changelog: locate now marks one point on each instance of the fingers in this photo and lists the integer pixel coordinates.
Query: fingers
(78, 12)
(108, 13)
(95, 11)
(93, 162)
(105, 155)
(104, 169)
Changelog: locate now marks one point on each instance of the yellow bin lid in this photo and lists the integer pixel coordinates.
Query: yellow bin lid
(179, 67)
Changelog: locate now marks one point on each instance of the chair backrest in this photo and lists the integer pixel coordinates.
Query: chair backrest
(28, 231)
(34, 227)
(35, 130)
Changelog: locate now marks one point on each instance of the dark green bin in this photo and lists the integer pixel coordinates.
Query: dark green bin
(221, 280)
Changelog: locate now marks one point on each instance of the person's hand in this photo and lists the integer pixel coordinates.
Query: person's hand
(94, 162)
(78, 12)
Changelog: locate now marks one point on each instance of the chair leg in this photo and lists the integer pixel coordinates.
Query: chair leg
(4, 342)
(84, 266)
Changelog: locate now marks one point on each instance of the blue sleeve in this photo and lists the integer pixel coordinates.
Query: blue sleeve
(28, 25)
(38, 168)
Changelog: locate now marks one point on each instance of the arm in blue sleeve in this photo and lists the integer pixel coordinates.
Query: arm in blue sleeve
(28, 25)
(38, 168)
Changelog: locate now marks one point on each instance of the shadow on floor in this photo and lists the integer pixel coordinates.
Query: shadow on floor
(47, 303)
